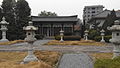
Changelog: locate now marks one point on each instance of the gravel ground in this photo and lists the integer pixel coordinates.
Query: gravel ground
(38, 45)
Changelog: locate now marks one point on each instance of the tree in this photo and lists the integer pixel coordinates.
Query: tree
(23, 12)
(1, 13)
(45, 13)
(16, 13)
(8, 13)
(109, 19)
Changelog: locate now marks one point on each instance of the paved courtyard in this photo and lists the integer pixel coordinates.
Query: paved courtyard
(38, 45)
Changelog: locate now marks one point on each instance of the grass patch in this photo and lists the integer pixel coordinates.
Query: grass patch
(11, 42)
(107, 63)
(12, 59)
(104, 60)
(82, 42)
(96, 56)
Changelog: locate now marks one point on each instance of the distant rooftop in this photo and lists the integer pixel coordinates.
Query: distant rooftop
(55, 18)
(94, 6)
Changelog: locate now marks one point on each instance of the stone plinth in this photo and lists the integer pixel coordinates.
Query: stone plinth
(30, 38)
(102, 34)
(4, 29)
(61, 35)
(116, 38)
(86, 34)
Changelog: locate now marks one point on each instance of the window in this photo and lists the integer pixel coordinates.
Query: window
(92, 15)
(117, 34)
(88, 8)
(93, 11)
(93, 8)
(88, 12)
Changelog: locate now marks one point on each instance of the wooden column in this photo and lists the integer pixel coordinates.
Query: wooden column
(41, 29)
(52, 31)
(73, 28)
(62, 26)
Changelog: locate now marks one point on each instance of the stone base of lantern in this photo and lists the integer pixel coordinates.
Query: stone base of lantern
(29, 58)
(116, 54)
(4, 40)
(102, 41)
(116, 51)
(61, 40)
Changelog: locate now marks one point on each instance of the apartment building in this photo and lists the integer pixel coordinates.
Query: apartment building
(91, 11)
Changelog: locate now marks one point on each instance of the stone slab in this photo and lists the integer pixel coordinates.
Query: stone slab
(75, 61)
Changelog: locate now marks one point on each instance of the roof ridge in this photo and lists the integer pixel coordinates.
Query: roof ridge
(55, 16)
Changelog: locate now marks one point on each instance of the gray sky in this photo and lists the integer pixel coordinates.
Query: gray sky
(69, 7)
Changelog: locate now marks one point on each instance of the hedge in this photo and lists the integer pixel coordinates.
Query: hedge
(68, 38)
(93, 34)
(38, 36)
(107, 38)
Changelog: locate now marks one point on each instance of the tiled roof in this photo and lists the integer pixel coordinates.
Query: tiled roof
(103, 14)
(55, 18)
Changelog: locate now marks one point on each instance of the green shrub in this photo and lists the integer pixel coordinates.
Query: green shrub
(68, 37)
(38, 36)
(68, 34)
(107, 63)
(107, 38)
(93, 34)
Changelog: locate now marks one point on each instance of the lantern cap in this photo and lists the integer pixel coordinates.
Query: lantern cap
(3, 21)
(116, 26)
(30, 27)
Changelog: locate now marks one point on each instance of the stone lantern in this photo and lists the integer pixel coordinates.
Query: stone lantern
(30, 38)
(4, 29)
(86, 34)
(116, 38)
(102, 34)
(61, 35)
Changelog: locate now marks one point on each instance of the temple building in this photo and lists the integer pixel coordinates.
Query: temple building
(51, 25)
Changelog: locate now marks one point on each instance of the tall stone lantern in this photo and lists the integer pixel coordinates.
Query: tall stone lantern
(116, 38)
(30, 38)
(86, 34)
(61, 35)
(102, 34)
(3, 24)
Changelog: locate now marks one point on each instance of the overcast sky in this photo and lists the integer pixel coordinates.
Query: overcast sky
(69, 7)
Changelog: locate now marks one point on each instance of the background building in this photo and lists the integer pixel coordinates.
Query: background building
(99, 19)
(51, 25)
(90, 11)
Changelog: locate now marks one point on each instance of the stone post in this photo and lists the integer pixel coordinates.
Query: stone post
(4, 29)
(116, 38)
(86, 34)
(30, 38)
(102, 34)
(61, 35)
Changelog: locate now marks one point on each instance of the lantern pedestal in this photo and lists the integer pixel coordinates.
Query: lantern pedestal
(30, 56)
(4, 29)
(30, 38)
(86, 35)
(115, 38)
(61, 35)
